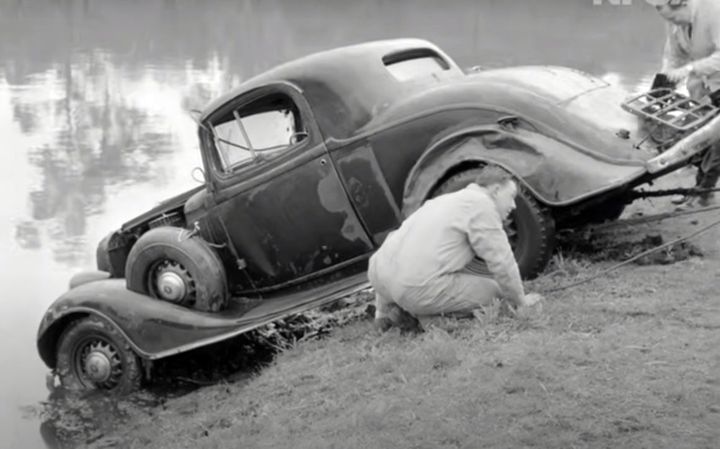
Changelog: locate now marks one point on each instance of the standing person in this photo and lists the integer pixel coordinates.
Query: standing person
(692, 52)
(419, 269)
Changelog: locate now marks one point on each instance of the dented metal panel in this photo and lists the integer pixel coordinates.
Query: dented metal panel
(557, 174)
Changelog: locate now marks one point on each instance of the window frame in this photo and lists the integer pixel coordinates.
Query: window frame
(256, 164)
(415, 54)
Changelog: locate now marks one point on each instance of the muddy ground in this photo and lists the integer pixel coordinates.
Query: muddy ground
(630, 359)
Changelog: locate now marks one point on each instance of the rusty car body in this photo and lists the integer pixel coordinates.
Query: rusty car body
(355, 139)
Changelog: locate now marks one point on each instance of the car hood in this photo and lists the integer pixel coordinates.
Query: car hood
(164, 207)
(567, 104)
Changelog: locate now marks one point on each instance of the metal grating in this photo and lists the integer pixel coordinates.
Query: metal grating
(671, 109)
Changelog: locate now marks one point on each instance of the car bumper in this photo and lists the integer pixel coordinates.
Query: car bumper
(686, 148)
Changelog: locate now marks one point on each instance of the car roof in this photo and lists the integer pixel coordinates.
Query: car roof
(346, 86)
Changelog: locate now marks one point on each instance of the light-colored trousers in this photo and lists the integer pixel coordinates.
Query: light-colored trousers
(459, 292)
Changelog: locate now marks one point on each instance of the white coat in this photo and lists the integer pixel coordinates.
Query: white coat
(698, 43)
(420, 266)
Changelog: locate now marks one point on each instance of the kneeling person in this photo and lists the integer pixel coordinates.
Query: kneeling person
(420, 268)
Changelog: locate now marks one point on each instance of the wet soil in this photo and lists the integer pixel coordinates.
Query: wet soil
(70, 419)
(618, 247)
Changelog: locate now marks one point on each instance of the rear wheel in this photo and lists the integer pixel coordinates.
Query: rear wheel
(530, 227)
(93, 355)
(170, 264)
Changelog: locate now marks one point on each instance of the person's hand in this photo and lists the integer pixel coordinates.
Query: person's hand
(680, 73)
(531, 299)
(529, 311)
(531, 306)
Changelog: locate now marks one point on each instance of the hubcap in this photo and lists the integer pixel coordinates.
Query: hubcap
(171, 286)
(98, 367)
(98, 363)
(170, 281)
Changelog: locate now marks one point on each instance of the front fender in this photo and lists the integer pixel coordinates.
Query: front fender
(153, 328)
(556, 173)
(157, 329)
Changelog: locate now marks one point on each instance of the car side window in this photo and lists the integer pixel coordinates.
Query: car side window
(231, 145)
(260, 130)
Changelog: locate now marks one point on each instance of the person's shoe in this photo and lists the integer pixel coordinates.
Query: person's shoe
(405, 321)
(682, 200)
(383, 324)
(691, 202)
(706, 200)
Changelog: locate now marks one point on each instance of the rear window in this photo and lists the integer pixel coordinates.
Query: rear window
(415, 64)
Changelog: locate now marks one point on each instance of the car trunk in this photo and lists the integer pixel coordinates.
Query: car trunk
(574, 107)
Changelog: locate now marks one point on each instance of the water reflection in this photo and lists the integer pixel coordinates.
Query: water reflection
(91, 137)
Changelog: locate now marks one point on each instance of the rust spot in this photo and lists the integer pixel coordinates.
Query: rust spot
(333, 199)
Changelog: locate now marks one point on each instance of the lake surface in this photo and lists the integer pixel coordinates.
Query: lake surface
(94, 128)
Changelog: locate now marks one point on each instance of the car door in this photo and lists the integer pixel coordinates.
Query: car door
(277, 191)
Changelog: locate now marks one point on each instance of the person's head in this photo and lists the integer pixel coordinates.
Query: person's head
(674, 11)
(501, 187)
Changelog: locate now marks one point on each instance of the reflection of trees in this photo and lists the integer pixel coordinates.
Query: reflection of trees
(77, 104)
(95, 138)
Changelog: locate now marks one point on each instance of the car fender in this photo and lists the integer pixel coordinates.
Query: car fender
(556, 173)
(153, 328)
(156, 329)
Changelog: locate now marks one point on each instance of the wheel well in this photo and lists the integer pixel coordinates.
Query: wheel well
(452, 171)
(47, 343)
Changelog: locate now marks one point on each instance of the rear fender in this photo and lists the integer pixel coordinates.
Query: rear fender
(554, 172)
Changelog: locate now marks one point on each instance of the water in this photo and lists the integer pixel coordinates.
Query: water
(93, 100)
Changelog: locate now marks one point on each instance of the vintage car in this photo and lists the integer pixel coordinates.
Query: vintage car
(309, 166)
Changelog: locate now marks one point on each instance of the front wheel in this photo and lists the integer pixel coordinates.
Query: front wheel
(530, 227)
(93, 355)
(171, 264)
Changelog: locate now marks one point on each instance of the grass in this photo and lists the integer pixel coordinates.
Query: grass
(629, 360)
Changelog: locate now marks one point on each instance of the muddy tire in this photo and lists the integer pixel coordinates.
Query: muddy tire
(607, 211)
(93, 355)
(531, 228)
(168, 263)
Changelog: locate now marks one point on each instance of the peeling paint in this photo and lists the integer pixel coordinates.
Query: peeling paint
(334, 200)
(368, 190)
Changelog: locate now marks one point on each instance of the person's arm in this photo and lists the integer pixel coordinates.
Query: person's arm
(710, 65)
(490, 242)
(673, 56)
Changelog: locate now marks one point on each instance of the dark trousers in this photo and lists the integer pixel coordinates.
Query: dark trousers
(709, 170)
